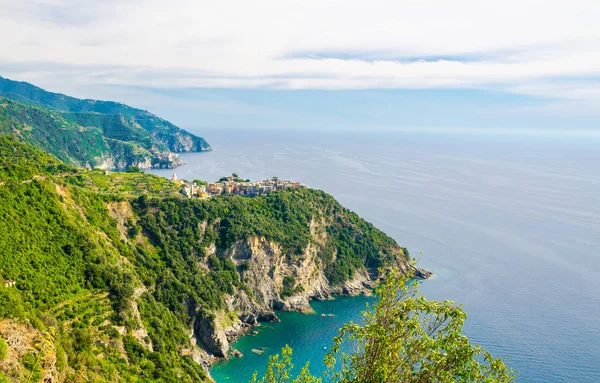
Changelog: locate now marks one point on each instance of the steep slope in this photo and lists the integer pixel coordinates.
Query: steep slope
(113, 134)
(72, 143)
(143, 284)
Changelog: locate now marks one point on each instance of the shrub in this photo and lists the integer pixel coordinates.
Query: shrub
(82, 339)
(3, 349)
(288, 286)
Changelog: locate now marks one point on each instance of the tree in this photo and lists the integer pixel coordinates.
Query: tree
(405, 339)
(82, 339)
(279, 370)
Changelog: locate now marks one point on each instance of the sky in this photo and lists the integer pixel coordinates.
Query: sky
(377, 64)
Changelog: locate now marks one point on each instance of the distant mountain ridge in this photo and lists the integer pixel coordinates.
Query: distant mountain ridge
(92, 133)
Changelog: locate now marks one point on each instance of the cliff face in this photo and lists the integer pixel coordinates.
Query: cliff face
(120, 161)
(263, 268)
(264, 254)
(21, 339)
(181, 141)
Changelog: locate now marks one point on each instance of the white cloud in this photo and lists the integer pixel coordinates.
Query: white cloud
(514, 45)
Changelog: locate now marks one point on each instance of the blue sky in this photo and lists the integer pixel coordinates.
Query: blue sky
(371, 109)
(382, 64)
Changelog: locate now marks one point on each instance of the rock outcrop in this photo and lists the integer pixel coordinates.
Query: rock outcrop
(211, 335)
(24, 339)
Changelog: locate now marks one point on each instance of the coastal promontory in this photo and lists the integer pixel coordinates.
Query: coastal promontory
(114, 276)
(92, 133)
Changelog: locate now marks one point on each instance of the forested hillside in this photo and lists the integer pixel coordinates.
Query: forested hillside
(92, 133)
(118, 277)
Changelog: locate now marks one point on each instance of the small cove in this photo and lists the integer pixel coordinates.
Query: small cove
(307, 334)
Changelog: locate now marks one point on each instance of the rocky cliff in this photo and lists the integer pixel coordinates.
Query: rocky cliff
(264, 267)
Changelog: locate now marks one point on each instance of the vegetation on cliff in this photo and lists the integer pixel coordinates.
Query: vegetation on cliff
(90, 132)
(283, 217)
(114, 271)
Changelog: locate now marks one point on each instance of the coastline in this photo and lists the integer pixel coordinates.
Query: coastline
(362, 285)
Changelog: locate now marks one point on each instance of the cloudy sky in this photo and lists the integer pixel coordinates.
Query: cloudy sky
(510, 64)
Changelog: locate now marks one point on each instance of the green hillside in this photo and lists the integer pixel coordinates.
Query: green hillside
(118, 277)
(92, 133)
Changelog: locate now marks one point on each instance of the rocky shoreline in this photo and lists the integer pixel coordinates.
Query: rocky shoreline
(264, 269)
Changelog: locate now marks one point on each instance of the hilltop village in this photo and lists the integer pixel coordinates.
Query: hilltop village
(234, 185)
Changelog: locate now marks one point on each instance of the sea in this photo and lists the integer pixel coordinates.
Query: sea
(509, 223)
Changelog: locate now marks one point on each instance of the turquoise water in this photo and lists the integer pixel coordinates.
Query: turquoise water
(307, 334)
(509, 224)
